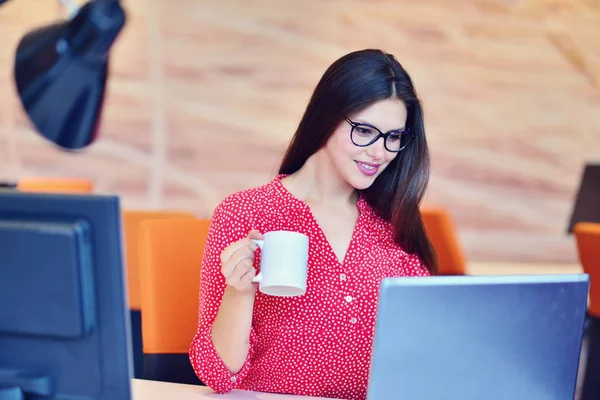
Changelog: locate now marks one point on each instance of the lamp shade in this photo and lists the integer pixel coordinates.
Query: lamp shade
(61, 72)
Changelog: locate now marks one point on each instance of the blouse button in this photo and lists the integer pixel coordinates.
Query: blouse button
(342, 277)
(233, 379)
(353, 320)
(348, 299)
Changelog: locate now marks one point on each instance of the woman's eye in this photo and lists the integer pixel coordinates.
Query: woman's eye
(364, 131)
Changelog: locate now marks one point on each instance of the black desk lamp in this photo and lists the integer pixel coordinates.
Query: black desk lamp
(61, 71)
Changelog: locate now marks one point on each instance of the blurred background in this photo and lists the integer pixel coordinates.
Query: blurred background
(203, 97)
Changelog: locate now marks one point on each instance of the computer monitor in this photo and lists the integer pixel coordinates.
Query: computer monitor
(587, 203)
(64, 327)
(478, 337)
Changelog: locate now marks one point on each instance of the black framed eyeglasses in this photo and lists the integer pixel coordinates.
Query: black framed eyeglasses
(363, 135)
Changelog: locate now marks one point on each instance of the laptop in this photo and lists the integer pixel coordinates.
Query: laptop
(586, 207)
(478, 337)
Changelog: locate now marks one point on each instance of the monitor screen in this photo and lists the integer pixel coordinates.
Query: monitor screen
(64, 326)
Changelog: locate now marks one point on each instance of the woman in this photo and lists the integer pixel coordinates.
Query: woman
(351, 180)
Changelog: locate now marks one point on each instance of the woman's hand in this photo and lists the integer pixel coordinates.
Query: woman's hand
(237, 263)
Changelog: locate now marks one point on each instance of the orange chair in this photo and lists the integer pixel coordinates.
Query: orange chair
(171, 256)
(55, 185)
(442, 234)
(131, 233)
(132, 220)
(587, 235)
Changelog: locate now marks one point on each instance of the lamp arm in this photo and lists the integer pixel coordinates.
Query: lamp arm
(68, 3)
(93, 30)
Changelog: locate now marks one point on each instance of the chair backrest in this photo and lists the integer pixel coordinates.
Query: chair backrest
(131, 234)
(132, 220)
(442, 234)
(171, 257)
(55, 185)
(587, 235)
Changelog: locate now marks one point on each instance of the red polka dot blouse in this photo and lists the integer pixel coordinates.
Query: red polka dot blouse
(318, 344)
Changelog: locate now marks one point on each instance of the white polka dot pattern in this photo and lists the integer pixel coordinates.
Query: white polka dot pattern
(318, 344)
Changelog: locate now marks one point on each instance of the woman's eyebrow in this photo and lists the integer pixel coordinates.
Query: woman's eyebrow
(362, 122)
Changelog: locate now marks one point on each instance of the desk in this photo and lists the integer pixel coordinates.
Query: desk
(153, 390)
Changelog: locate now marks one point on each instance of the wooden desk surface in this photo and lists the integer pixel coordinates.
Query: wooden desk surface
(153, 390)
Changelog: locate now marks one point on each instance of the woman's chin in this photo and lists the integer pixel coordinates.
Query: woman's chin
(362, 182)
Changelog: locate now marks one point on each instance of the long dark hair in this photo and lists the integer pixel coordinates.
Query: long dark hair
(351, 84)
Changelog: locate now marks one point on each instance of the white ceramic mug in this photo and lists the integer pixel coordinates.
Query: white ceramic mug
(283, 263)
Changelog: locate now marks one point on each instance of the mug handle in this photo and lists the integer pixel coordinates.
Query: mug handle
(260, 244)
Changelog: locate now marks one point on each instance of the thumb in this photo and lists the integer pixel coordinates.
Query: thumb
(254, 234)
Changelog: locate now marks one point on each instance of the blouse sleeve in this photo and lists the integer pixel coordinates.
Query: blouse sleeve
(228, 224)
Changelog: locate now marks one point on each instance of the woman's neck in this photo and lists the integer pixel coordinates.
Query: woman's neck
(319, 183)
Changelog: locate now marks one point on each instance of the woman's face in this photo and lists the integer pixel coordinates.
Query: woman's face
(360, 166)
